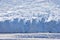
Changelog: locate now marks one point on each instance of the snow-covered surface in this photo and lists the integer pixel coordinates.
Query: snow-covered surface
(30, 35)
(28, 10)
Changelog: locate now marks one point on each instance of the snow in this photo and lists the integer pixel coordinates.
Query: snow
(31, 36)
(37, 9)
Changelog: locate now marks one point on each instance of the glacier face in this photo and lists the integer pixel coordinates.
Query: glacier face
(29, 10)
(29, 16)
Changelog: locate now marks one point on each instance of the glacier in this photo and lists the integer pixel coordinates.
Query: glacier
(29, 10)
(29, 16)
(29, 19)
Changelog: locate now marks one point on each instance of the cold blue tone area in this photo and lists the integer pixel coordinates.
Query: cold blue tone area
(20, 27)
(12, 11)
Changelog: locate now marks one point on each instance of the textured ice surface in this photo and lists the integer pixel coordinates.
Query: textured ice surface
(31, 36)
(28, 10)
(31, 18)
(27, 16)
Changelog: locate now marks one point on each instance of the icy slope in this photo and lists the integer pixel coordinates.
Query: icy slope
(28, 10)
(21, 16)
